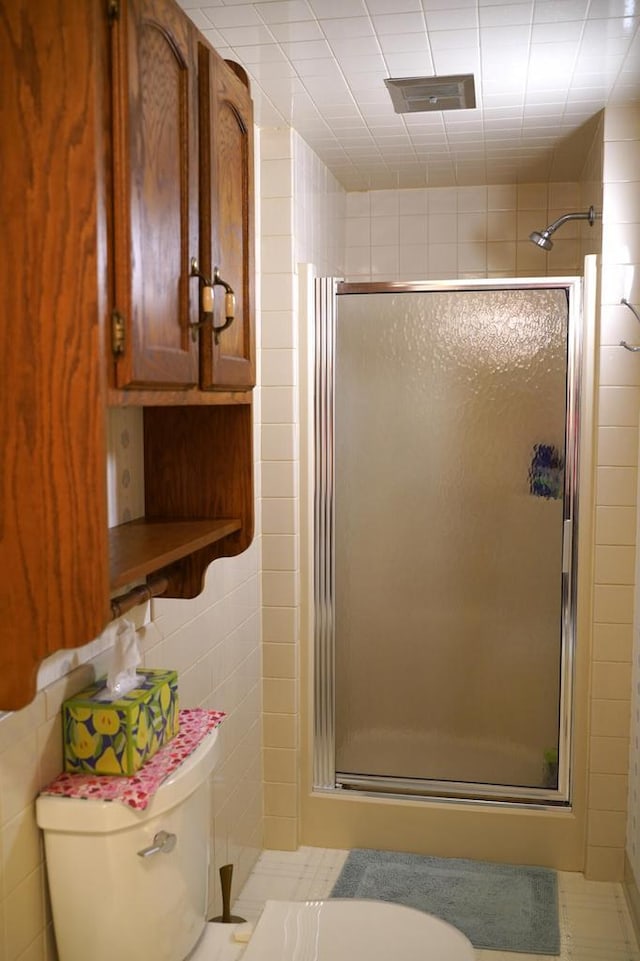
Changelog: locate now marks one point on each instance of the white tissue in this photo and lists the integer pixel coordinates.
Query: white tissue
(122, 676)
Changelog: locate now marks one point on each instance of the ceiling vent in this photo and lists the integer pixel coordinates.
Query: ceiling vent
(418, 94)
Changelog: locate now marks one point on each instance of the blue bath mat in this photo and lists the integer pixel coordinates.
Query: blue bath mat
(501, 907)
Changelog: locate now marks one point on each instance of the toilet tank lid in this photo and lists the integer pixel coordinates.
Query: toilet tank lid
(95, 816)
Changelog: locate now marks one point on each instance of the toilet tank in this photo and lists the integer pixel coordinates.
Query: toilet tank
(108, 902)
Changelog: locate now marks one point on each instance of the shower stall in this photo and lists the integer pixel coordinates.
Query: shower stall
(445, 517)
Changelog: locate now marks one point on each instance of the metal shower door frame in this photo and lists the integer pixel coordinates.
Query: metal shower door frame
(327, 291)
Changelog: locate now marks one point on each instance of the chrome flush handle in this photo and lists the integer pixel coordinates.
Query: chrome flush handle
(163, 843)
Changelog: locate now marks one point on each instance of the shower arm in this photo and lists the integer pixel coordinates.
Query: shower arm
(589, 215)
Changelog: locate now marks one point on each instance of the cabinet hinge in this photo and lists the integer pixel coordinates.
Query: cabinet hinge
(117, 333)
(113, 9)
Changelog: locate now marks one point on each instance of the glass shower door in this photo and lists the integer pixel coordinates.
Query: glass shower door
(449, 483)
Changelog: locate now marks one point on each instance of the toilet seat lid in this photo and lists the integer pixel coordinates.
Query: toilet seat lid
(341, 930)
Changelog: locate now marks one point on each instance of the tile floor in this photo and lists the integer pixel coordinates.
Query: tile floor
(594, 920)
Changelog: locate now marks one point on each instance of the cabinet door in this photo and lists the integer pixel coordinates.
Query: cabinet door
(227, 360)
(54, 589)
(155, 193)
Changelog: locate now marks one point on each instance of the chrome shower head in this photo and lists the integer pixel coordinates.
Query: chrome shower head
(543, 238)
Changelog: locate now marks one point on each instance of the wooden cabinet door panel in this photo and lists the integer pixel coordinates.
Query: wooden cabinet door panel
(155, 193)
(227, 228)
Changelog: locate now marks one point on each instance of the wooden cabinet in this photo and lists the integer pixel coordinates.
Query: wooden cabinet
(182, 135)
(102, 212)
(154, 89)
(227, 230)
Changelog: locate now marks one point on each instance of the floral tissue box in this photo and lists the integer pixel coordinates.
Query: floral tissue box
(117, 737)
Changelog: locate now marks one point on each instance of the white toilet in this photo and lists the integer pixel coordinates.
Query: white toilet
(131, 885)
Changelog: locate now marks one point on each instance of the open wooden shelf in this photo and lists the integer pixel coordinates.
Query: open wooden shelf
(143, 546)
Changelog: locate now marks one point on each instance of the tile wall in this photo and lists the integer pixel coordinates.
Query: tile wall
(615, 766)
(302, 218)
(464, 232)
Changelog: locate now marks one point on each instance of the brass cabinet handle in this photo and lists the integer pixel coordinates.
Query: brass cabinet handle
(207, 300)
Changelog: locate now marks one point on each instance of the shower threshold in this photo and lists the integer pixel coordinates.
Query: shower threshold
(468, 792)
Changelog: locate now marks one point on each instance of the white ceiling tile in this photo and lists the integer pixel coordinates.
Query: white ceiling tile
(402, 43)
(280, 11)
(318, 67)
(338, 8)
(555, 32)
(215, 38)
(392, 6)
(464, 18)
(344, 47)
(409, 65)
(553, 10)
(613, 8)
(273, 68)
(261, 53)
(347, 27)
(457, 61)
(399, 23)
(202, 21)
(246, 36)
(510, 39)
(429, 5)
(453, 40)
(355, 65)
(306, 50)
(507, 14)
(244, 15)
(301, 30)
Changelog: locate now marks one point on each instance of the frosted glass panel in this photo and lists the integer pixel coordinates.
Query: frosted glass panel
(449, 448)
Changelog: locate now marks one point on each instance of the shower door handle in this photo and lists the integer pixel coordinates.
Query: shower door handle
(567, 538)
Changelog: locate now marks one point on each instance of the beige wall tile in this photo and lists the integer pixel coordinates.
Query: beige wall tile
(612, 642)
(609, 755)
(615, 525)
(281, 800)
(280, 660)
(277, 328)
(279, 515)
(281, 730)
(608, 792)
(615, 565)
(617, 446)
(622, 160)
(612, 681)
(280, 625)
(281, 834)
(24, 914)
(607, 829)
(279, 696)
(280, 765)
(280, 588)
(617, 370)
(21, 850)
(279, 442)
(622, 122)
(604, 864)
(279, 479)
(610, 718)
(613, 604)
(619, 406)
(280, 552)
(616, 486)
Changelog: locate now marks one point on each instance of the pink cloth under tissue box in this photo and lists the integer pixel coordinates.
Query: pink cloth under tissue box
(118, 736)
